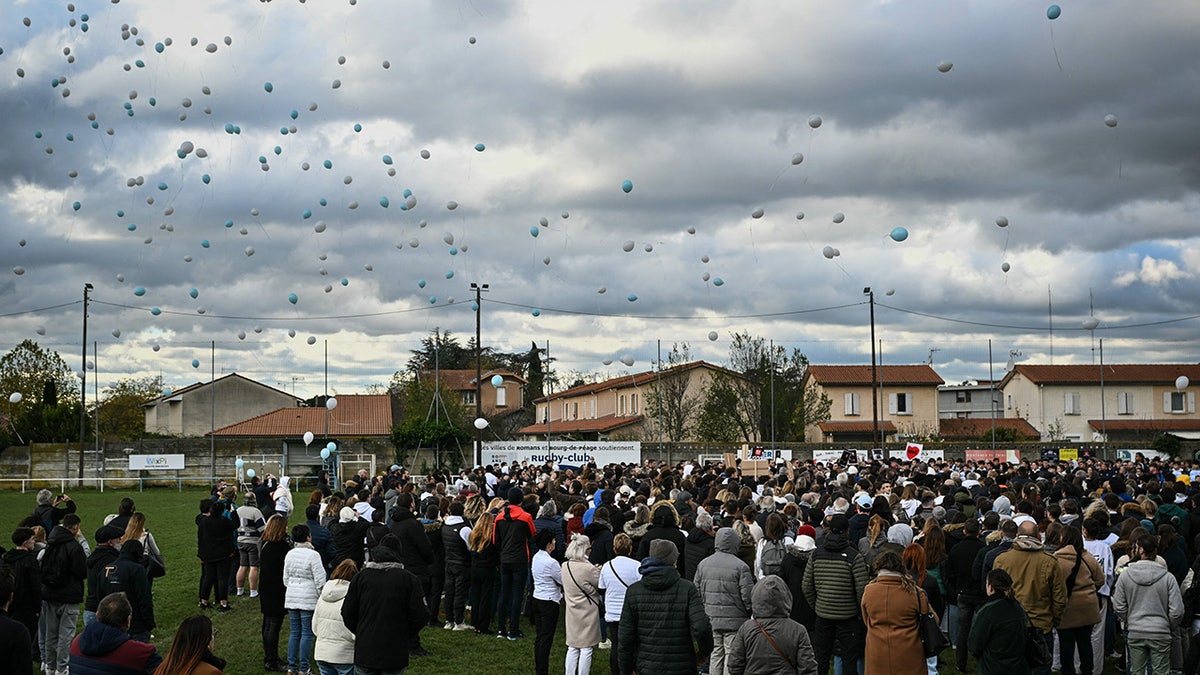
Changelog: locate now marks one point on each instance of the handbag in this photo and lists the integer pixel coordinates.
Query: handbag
(932, 638)
(1036, 653)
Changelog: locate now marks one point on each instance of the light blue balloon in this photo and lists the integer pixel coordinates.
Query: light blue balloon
(420, 283)
(453, 250)
(131, 227)
(328, 164)
(627, 186)
(1053, 12)
(206, 179)
(37, 134)
(307, 214)
(162, 186)
(262, 159)
(357, 128)
(278, 150)
(166, 392)
(536, 312)
(899, 234)
(387, 159)
(534, 231)
(77, 206)
(83, 27)
(433, 299)
(345, 281)
(229, 127)
(239, 463)
(152, 101)
(324, 453)
(159, 47)
(195, 363)
(139, 291)
(718, 281)
(229, 224)
(407, 193)
(474, 306)
(323, 202)
(70, 137)
(268, 87)
(249, 473)
(295, 114)
(204, 243)
(127, 106)
(140, 63)
(283, 131)
(120, 213)
(498, 380)
(331, 446)
(480, 147)
(155, 311)
(449, 274)
(384, 202)
(293, 298)
(632, 298)
(194, 293)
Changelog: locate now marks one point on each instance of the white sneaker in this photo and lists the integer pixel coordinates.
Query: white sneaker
(462, 626)
(254, 594)
(607, 644)
(449, 626)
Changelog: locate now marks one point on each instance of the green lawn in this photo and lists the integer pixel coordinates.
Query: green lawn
(170, 517)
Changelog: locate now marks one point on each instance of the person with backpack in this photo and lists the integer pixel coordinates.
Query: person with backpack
(64, 569)
(725, 585)
(772, 548)
(108, 549)
(126, 575)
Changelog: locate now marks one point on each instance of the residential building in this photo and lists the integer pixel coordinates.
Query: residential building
(907, 402)
(1086, 403)
(621, 406)
(197, 409)
(506, 398)
(967, 429)
(969, 399)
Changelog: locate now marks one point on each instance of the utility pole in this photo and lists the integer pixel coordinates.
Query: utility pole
(874, 375)
(479, 289)
(87, 288)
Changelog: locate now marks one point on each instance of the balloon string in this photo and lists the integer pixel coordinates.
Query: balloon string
(777, 177)
(1055, 48)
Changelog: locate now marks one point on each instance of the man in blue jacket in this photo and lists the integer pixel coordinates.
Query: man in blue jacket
(105, 648)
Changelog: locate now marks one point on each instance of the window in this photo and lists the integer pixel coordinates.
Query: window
(1071, 403)
(1124, 403)
(1179, 402)
(633, 409)
(469, 397)
(852, 404)
(962, 397)
(900, 404)
(962, 415)
(621, 406)
(501, 397)
(575, 411)
(1010, 401)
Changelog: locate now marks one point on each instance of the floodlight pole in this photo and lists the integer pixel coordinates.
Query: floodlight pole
(874, 377)
(479, 289)
(87, 288)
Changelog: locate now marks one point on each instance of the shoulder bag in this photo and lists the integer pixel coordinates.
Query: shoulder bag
(932, 638)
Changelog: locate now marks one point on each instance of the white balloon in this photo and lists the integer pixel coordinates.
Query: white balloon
(944, 66)
(116, 332)
(797, 158)
(890, 292)
(448, 238)
(40, 330)
(480, 423)
(546, 260)
(1001, 221)
(330, 403)
(691, 230)
(1090, 323)
(814, 121)
(308, 437)
(602, 290)
(241, 335)
(839, 217)
(15, 397)
(1005, 267)
(712, 335)
(627, 246)
(756, 213)
(648, 247)
(828, 252)
(312, 340)
(1182, 382)
(249, 251)
(1110, 120)
(627, 360)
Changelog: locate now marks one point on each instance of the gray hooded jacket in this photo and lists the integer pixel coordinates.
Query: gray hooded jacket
(725, 583)
(753, 653)
(1148, 601)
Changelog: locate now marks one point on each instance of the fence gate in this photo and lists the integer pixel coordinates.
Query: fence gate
(349, 465)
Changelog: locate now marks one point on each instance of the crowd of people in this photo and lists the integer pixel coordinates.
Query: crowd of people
(866, 567)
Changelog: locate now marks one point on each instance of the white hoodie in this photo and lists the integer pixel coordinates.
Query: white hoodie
(283, 497)
(335, 642)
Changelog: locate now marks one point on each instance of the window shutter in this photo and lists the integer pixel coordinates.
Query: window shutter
(892, 407)
(1191, 402)
(850, 405)
(1166, 401)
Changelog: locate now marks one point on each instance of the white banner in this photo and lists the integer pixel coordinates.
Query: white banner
(155, 462)
(922, 455)
(572, 453)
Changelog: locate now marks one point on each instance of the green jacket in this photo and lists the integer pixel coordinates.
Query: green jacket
(835, 579)
(997, 638)
(662, 617)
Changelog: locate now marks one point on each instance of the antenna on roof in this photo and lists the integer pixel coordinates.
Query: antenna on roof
(929, 361)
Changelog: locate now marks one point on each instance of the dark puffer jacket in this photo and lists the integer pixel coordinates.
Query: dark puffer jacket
(103, 555)
(997, 637)
(664, 524)
(792, 573)
(700, 545)
(127, 575)
(68, 555)
(753, 653)
(415, 550)
(835, 579)
(663, 616)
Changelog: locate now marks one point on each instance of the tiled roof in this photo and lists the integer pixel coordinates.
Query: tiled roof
(1174, 424)
(887, 375)
(464, 380)
(1128, 373)
(974, 427)
(634, 380)
(355, 415)
(197, 385)
(856, 427)
(597, 425)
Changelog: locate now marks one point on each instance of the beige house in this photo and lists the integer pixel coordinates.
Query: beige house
(496, 400)
(197, 409)
(620, 407)
(907, 402)
(1135, 401)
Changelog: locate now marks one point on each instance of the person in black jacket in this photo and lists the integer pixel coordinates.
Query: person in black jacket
(380, 600)
(273, 549)
(126, 575)
(348, 534)
(664, 524)
(15, 640)
(455, 533)
(417, 555)
(64, 569)
(51, 510)
(26, 605)
(108, 548)
(215, 546)
(513, 535)
(701, 542)
(961, 583)
(322, 540)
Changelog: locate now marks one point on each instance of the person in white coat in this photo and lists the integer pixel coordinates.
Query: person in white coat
(616, 575)
(283, 497)
(303, 577)
(335, 642)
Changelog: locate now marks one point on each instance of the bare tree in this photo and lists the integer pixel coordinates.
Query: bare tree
(674, 407)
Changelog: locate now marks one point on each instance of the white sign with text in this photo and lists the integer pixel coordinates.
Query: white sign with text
(155, 462)
(570, 453)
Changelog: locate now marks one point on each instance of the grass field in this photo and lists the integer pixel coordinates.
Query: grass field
(170, 517)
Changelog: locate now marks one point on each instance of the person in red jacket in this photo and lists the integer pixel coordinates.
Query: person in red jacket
(105, 648)
(512, 536)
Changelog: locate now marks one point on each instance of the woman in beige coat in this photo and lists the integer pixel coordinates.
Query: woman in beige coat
(1084, 576)
(581, 595)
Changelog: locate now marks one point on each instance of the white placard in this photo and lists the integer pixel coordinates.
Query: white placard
(571, 453)
(155, 462)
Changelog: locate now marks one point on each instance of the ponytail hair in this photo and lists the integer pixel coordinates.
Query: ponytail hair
(1001, 583)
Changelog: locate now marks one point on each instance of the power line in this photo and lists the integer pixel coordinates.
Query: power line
(42, 309)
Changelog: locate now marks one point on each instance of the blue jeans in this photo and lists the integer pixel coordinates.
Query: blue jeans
(300, 641)
(512, 594)
(335, 668)
(88, 617)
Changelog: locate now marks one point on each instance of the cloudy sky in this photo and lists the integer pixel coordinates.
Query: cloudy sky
(1081, 132)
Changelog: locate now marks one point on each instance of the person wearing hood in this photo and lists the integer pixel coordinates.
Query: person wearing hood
(64, 568)
(105, 648)
(834, 581)
(701, 543)
(771, 643)
(792, 574)
(26, 604)
(664, 524)
(415, 552)
(383, 600)
(726, 586)
(512, 534)
(997, 635)
(334, 649)
(663, 627)
(591, 510)
(1147, 600)
(126, 575)
(1038, 582)
(548, 519)
(600, 533)
(347, 535)
(456, 534)
(637, 526)
(283, 497)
